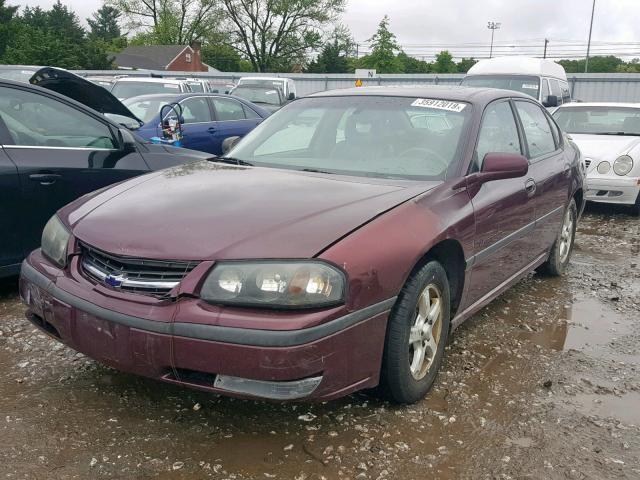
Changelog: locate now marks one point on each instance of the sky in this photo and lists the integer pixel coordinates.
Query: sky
(455, 24)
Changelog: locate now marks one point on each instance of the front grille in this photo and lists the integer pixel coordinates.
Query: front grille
(587, 162)
(136, 275)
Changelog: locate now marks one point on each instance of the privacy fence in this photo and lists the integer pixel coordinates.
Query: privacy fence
(588, 87)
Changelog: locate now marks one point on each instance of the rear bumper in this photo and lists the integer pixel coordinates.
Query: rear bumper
(621, 190)
(320, 363)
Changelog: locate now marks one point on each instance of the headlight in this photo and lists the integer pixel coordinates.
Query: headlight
(275, 284)
(55, 238)
(604, 167)
(623, 165)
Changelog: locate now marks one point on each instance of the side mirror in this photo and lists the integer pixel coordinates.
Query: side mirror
(292, 96)
(500, 166)
(551, 101)
(127, 140)
(228, 143)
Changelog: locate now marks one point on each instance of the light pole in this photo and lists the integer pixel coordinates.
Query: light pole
(493, 26)
(586, 63)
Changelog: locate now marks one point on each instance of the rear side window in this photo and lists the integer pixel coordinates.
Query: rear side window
(498, 133)
(537, 129)
(250, 114)
(196, 110)
(227, 109)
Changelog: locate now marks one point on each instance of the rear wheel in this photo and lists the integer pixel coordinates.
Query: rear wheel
(563, 246)
(416, 335)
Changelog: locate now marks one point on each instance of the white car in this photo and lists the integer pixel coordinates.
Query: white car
(128, 87)
(608, 135)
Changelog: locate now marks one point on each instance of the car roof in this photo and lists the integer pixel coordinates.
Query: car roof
(440, 92)
(518, 65)
(266, 78)
(150, 79)
(600, 104)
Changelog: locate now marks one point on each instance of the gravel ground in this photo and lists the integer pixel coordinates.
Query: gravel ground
(544, 383)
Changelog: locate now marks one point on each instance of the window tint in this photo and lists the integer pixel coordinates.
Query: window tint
(227, 109)
(196, 110)
(40, 121)
(536, 129)
(498, 133)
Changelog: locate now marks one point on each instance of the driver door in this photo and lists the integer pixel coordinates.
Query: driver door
(61, 152)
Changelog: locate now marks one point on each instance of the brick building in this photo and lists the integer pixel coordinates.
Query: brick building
(176, 58)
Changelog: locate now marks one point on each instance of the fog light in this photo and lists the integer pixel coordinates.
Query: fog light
(271, 390)
(604, 167)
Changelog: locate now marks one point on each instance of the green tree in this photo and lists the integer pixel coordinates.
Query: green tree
(335, 54)
(465, 64)
(278, 34)
(104, 24)
(221, 56)
(597, 64)
(412, 64)
(444, 63)
(7, 22)
(384, 46)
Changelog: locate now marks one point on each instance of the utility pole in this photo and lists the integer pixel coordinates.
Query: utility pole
(586, 63)
(357, 50)
(493, 26)
(546, 42)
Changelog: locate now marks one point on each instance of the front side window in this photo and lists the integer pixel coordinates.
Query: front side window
(518, 83)
(228, 110)
(36, 120)
(195, 110)
(599, 120)
(537, 129)
(498, 133)
(388, 137)
(555, 89)
(566, 93)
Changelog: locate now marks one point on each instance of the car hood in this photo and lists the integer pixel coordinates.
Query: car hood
(208, 211)
(604, 147)
(81, 90)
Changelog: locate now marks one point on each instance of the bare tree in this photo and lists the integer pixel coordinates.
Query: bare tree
(276, 33)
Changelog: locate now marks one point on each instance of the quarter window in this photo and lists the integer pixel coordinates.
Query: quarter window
(250, 113)
(536, 129)
(227, 109)
(39, 121)
(498, 133)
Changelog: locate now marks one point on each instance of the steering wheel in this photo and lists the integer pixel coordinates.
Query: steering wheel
(424, 153)
(100, 140)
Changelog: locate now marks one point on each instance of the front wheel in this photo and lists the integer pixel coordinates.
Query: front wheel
(416, 335)
(560, 254)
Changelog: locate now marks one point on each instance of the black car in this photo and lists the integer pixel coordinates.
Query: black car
(54, 149)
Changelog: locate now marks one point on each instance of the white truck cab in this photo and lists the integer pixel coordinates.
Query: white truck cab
(286, 85)
(544, 80)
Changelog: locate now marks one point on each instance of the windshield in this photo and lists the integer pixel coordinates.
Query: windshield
(599, 120)
(147, 109)
(270, 96)
(263, 83)
(196, 87)
(518, 83)
(124, 89)
(389, 137)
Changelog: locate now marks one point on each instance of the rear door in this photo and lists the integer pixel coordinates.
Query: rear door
(548, 168)
(198, 128)
(10, 212)
(503, 209)
(61, 152)
(233, 118)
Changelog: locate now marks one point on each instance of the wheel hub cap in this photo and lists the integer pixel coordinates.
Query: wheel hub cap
(424, 336)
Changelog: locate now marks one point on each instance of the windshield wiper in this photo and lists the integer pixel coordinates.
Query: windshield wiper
(232, 161)
(618, 133)
(315, 170)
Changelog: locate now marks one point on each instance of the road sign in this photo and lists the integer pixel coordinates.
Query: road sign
(363, 73)
(358, 83)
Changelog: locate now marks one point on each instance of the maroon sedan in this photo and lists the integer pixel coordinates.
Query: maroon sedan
(334, 249)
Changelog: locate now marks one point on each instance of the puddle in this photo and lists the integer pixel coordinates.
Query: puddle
(625, 408)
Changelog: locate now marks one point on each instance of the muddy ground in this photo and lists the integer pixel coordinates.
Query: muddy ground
(542, 384)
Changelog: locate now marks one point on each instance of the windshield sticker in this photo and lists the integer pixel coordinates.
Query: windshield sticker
(171, 85)
(530, 86)
(439, 104)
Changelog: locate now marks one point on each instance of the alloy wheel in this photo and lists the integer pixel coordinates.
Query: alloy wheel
(424, 336)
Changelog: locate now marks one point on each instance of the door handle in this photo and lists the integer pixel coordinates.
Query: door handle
(212, 130)
(530, 186)
(45, 178)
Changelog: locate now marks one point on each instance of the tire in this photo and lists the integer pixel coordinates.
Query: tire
(403, 379)
(635, 208)
(560, 255)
